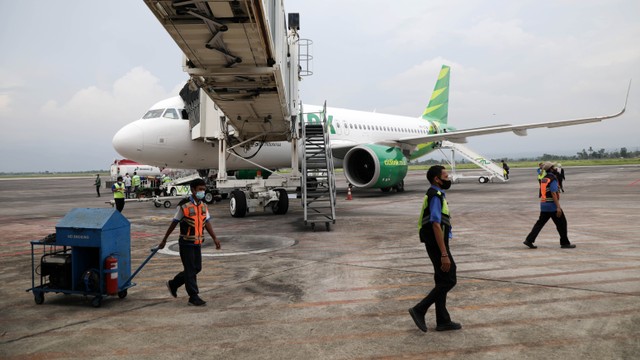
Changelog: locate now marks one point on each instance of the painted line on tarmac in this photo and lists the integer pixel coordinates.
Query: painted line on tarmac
(168, 251)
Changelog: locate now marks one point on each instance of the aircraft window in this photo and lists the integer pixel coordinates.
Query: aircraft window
(368, 127)
(171, 114)
(153, 114)
(359, 126)
(350, 126)
(338, 124)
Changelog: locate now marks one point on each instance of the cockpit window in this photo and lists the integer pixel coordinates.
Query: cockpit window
(153, 114)
(171, 114)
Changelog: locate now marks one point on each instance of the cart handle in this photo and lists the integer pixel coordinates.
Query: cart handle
(153, 250)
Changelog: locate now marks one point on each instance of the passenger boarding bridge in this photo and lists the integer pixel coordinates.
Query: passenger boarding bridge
(244, 55)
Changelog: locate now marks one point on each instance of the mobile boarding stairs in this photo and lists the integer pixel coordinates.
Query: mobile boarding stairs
(491, 170)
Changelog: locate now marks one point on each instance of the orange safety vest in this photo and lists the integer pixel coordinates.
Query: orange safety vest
(545, 188)
(192, 224)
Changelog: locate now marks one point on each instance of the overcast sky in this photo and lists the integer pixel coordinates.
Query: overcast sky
(74, 72)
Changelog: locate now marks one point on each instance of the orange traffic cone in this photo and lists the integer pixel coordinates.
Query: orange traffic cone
(349, 197)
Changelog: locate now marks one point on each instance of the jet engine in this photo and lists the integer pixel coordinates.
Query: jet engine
(375, 166)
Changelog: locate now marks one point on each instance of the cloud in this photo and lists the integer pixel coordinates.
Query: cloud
(125, 101)
(82, 125)
(492, 33)
(5, 101)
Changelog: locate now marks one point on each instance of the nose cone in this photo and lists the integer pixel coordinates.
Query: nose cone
(128, 142)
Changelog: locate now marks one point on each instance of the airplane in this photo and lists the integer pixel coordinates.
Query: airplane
(373, 149)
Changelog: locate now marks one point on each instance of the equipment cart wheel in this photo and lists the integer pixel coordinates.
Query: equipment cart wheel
(38, 297)
(313, 227)
(157, 204)
(167, 204)
(122, 294)
(208, 197)
(282, 206)
(96, 302)
(238, 204)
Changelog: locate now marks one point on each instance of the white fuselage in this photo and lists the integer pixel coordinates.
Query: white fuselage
(166, 141)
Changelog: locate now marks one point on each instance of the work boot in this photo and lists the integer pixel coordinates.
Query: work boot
(449, 326)
(568, 246)
(418, 319)
(530, 244)
(173, 291)
(196, 301)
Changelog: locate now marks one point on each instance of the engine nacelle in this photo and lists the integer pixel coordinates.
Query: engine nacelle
(375, 166)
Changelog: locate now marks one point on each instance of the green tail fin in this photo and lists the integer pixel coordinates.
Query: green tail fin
(438, 108)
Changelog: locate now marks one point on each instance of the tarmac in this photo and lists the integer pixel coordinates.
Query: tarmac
(283, 291)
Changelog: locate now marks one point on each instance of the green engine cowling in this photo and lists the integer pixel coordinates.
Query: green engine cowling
(251, 174)
(375, 166)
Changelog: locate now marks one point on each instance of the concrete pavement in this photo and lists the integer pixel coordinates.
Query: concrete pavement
(344, 294)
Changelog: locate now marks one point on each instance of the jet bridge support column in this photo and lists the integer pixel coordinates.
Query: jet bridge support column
(222, 152)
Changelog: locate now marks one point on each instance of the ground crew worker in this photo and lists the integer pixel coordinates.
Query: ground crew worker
(118, 193)
(550, 209)
(505, 170)
(560, 176)
(193, 216)
(541, 174)
(135, 182)
(127, 185)
(434, 227)
(98, 184)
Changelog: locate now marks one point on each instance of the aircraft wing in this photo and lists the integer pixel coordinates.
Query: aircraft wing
(339, 148)
(460, 136)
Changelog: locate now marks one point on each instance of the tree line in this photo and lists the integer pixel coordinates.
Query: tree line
(585, 154)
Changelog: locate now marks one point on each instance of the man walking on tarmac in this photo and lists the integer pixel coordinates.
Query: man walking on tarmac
(193, 216)
(434, 228)
(98, 184)
(135, 183)
(550, 209)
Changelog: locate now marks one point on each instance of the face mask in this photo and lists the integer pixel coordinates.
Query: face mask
(446, 184)
(200, 195)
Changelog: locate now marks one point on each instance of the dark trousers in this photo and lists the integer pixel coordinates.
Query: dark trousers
(119, 204)
(561, 226)
(98, 190)
(191, 256)
(445, 281)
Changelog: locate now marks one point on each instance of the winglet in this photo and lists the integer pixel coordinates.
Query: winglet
(624, 108)
(627, 98)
